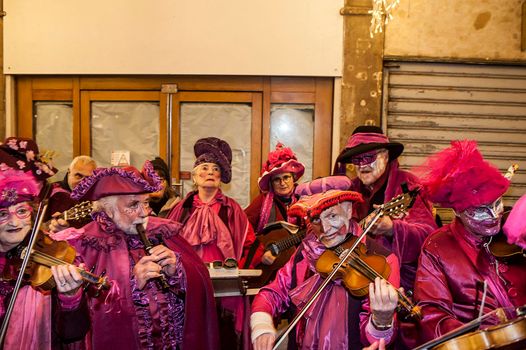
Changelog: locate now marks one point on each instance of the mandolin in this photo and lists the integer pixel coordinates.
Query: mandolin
(75, 213)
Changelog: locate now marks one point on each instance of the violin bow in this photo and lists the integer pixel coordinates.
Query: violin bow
(42, 208)
(328, 279)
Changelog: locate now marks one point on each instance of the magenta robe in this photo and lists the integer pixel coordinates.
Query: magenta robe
(128, 318)
(452, 262)
(410, 232)
(326, 324)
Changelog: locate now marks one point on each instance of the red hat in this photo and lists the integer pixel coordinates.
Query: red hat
(217, 151)
(282, 160)
(20, 153)
(16, 187)
(459, 178)
(312, 206)
(117, 181)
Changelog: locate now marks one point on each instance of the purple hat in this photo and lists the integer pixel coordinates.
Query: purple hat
(16, 187)
(366, 138)
(117, 181)
(323, 184)
(20, 153)
(282, 160)
(217, 151)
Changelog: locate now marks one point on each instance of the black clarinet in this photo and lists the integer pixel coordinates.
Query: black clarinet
(148, 246)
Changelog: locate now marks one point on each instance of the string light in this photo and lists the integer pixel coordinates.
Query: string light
(381, 14)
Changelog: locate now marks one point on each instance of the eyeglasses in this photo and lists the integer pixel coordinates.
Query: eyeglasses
(284, 179)
(21, 211)
(366, 158)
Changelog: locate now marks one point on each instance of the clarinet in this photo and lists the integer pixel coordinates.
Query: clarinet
(148, 246)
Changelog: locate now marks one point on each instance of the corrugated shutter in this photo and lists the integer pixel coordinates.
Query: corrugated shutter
(426, 105)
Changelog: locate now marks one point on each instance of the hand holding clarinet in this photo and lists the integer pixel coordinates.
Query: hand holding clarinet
(159, 263)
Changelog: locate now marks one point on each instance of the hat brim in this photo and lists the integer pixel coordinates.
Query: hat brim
(395, 150)
(292, 166)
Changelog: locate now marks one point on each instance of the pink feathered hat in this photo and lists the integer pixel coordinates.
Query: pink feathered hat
(282, 160)
(16, 187)
(459, 178)
(515, 226)
(312, 206)
(106, 182)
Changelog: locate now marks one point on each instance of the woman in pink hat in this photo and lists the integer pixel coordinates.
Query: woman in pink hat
(39, 320)
(277, 183)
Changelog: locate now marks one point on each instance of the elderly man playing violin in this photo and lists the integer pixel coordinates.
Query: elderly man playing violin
(40, 319)
(161, 295)
(337, 319)
(456, 260)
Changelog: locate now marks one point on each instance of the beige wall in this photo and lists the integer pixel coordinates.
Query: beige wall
(457, 29)
(229, 37)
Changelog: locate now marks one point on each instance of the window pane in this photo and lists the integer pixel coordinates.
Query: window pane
(124, 126)
(53, 123)
(293, 125)
(228, 121)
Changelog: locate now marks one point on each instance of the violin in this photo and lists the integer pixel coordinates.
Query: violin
(508, 335)
(360, 270)
(501, 249)
(45, 254)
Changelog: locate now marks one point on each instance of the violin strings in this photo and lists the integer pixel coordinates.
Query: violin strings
(372, 274)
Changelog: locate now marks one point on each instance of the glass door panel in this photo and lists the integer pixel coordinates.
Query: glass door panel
(231, 116)
(127, 121)
(228, 121)
(126, 126)
(53, 130)
(293, 125)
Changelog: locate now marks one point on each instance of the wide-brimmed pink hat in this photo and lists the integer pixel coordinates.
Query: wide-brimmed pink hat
(458, 177)
(106, 182)
(366, 138)
(16, 187)
(309, 207)
(281, 160)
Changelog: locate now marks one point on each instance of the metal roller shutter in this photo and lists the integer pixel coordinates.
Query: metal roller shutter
(426, 105)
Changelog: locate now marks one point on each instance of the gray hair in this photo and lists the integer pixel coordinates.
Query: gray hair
(105, 204)
(83, 160)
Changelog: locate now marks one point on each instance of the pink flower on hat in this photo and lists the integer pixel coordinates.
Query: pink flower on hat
(281, 160)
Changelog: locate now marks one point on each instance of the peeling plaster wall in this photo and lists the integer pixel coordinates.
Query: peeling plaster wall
(456, 29)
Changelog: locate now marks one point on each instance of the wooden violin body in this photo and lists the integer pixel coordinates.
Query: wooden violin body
(46, 253)
(358, 271)
(506, 336)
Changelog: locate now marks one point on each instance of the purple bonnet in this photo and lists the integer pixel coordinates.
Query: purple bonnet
(16, 187)
(217, 151)
(117, 181)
